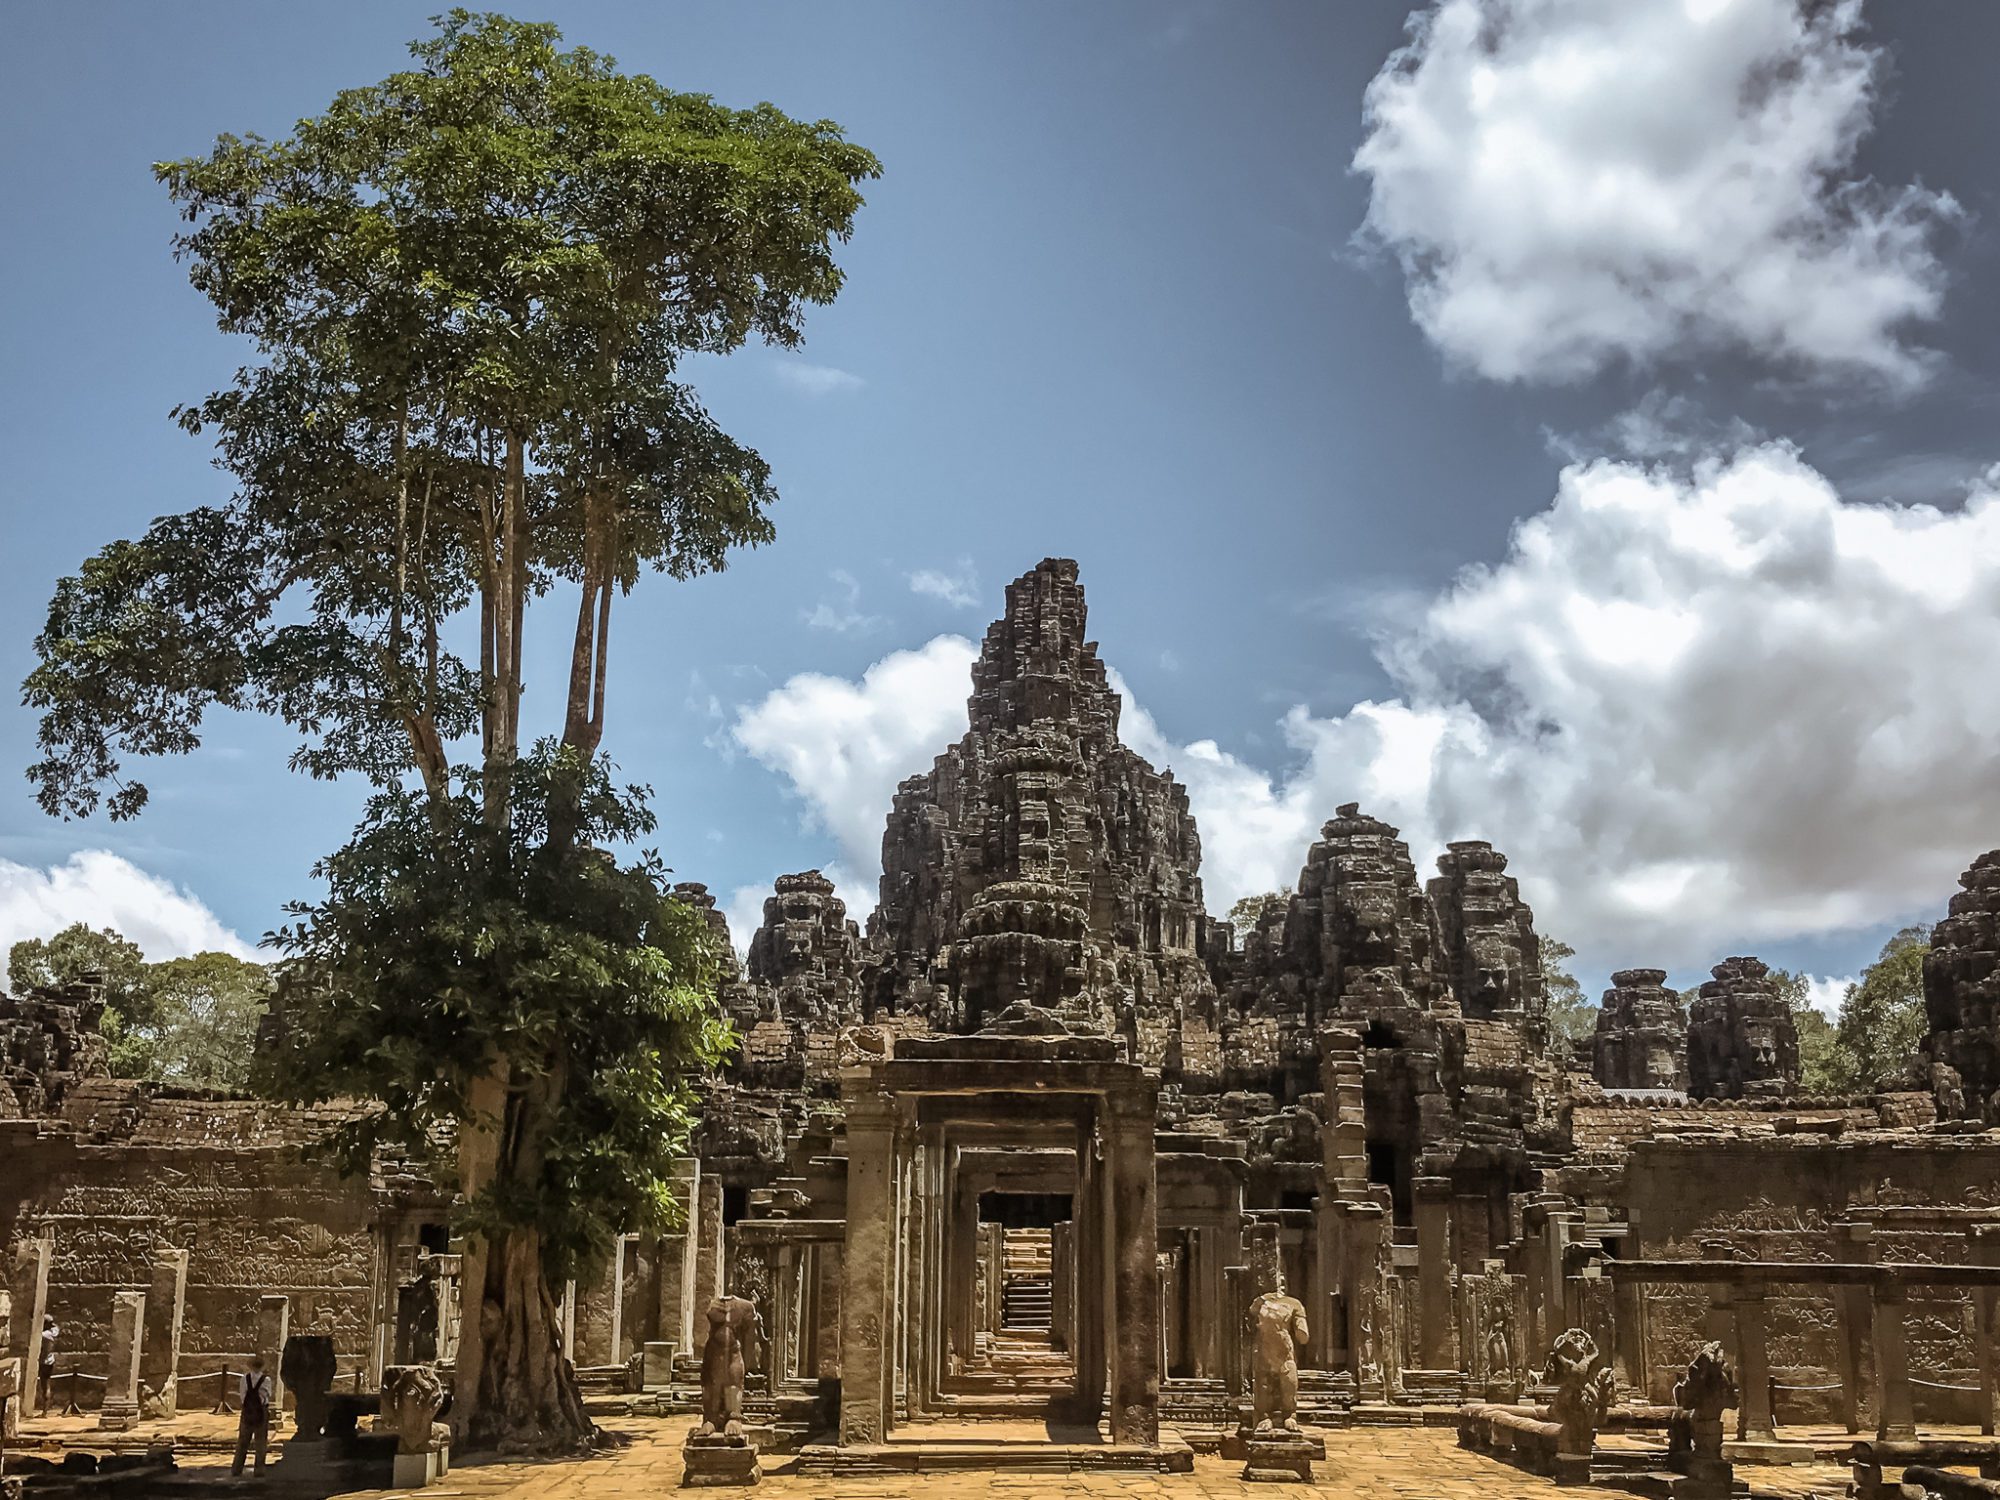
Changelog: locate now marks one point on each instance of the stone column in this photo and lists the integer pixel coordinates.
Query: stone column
(121, 1385)
(962, 1232)
(1855, 1243)
(1132, 1191)
(274, 1326)
(618, 1244)
(866, 1319)
(1062, 1284)
(1233, 1317)
(680, 1314)
(29, 1285)
(160, 1365)
(1892, 1361)
(1433, 1216)
(1092, 1262)
(1367, 1335)
(1753, 1371)
(1983, 1249)
(708, 1267)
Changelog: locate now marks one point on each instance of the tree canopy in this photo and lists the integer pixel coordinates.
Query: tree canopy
(1572, 1017)
(470, 290)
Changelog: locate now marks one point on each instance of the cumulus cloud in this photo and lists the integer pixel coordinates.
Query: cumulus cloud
(102, 889)
(1568, 184)
(844, 745)
(959, 589)
(1824, 994)
(843, 613)
(1695, 706)
(816, 380)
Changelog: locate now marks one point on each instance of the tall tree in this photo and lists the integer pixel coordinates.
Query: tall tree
(80, 951)
(470, 289)
(1881, 1020)
(1572, 1018)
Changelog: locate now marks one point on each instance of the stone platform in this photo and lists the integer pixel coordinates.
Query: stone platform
(964, 1455)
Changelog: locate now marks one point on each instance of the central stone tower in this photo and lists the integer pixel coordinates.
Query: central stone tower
(1040, 878)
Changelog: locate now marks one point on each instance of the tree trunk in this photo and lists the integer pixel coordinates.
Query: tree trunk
(513, 1390)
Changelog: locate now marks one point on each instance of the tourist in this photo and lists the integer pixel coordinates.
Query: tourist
(45, 1368)
(253, 1421)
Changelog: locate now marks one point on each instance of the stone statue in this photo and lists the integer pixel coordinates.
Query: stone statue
(1584, 1389)
(1278, 1326)
(307, 1367)
(735, 1337)
(1701, 1396)
(411, 1396)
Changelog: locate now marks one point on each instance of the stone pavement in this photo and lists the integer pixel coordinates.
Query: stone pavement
(1363, 1463)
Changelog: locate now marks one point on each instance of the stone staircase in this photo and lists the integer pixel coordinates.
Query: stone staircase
(1027, 1287)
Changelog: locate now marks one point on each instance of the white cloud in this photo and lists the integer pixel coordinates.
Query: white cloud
(816, 380)
(843, 614)
(1824, 994)
(1696, 708)
(102, 889)
(960, 589)
(844, 745)
(1569, 183)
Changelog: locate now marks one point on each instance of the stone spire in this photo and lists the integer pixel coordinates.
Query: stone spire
(1041, 876)
(1962, 997)
(1642, 1033)
(1487, 948)
(1742, 1041)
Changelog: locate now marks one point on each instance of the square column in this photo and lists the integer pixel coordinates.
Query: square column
(1366, 1334)
(708, 1262)
(867, 1321)
(679, 1312)
(1753, 1374)
(121, 1385)
(1434, 1315)
(1892, 1361)
(1132, 1193)
(30, 1287)
(1983, 1249)
(274, 1326)
(159, 1365)
(1854, 1242)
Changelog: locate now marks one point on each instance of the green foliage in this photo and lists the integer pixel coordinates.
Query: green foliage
(1246, 911)
(443, 945)
(1881, 1021)
(189, 1021)
(1572, 1018)
(470, 288)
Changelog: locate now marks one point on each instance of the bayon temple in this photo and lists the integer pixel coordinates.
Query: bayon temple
(1046, 1140)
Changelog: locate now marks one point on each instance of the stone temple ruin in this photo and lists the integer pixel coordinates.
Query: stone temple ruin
(1038, 1141)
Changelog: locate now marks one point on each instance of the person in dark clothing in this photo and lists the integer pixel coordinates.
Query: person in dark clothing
(45, 1367)
(253, 1416)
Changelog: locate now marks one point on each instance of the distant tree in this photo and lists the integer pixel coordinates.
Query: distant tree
(471, 290)
(1572, 1017)
(1820, 1066)
(1245, 912)
(1881, 1022)
(206, 1010)
(80, 950)
(183, 1020)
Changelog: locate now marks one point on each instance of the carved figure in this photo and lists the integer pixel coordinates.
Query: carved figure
(1278, 1327)
(735, 1337)
(1701, 1396)
(1584, 1390)
(411, 1396)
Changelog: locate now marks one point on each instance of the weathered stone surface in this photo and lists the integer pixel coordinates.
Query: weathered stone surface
(1487, 948)
(1962, 997)
(1742, 1042)
(48, 1042)
(1642, 1034)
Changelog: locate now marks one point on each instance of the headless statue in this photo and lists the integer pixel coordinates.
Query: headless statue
(1278, 1330)
(735, 1334)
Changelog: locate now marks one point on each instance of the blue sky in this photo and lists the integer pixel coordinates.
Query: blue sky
(1111, 300)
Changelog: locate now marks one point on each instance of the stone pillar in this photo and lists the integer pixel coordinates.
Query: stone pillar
(274, 1326)
(1367, 1335)
(1092, 1265)
(1983, 1249)
(1233, 1317)
(1434, 1326)
(159, 1366)
(680, 1314)
(866, 1319)
(127, 1336)
(1132, 1193)
(568, 1317)
(708, 1268)
(30, 1287)
(1555, 1240)
(1062, 1284)
(1753, 1371)
(1854, 1243)
(963, 1252)
(1892, 1361)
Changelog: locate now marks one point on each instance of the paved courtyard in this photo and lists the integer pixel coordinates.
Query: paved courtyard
(1365, 1463)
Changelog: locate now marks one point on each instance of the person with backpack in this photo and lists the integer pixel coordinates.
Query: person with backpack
(253, 1419)
(45, 1368)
